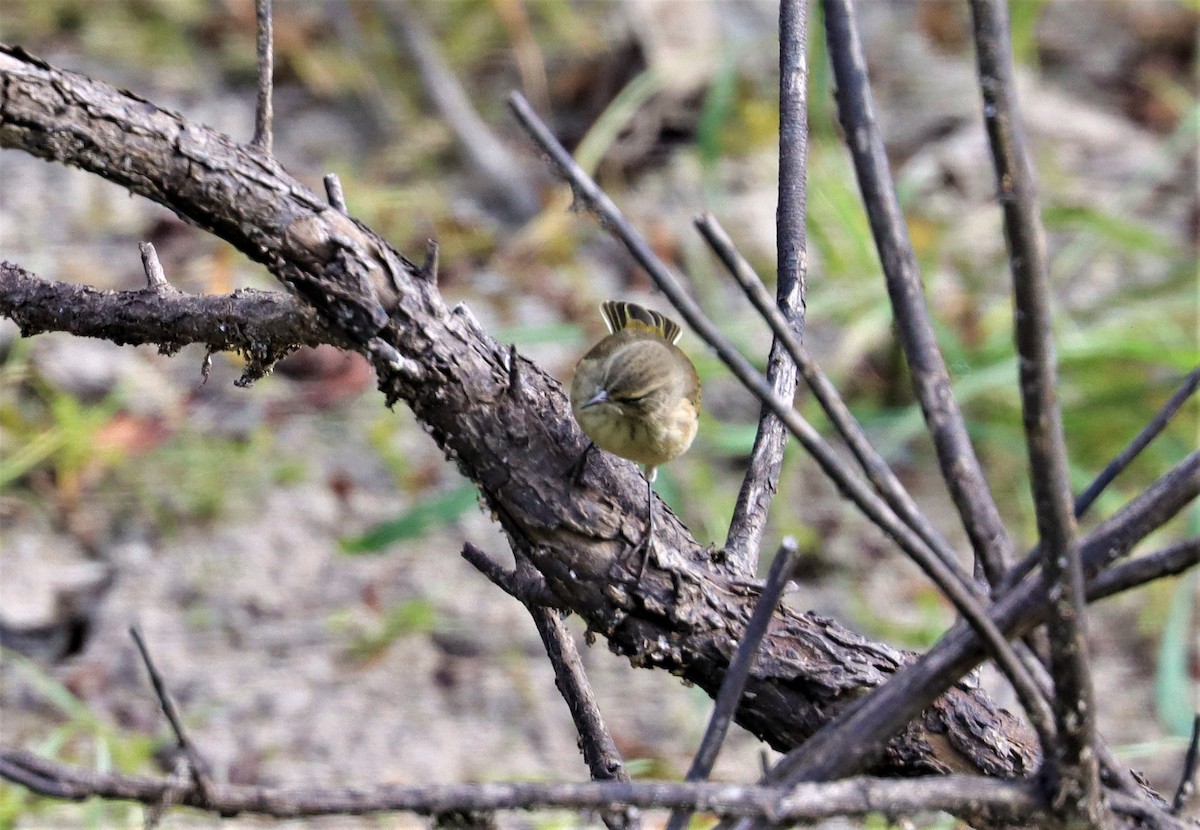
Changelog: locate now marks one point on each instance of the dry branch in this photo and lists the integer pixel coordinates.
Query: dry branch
(1074, 764)
(766, 456)
(931, 380)
(263, 326)
(856, 796)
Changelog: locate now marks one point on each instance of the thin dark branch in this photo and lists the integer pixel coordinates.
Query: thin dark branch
(599, 750)
(961, 596)
(197, 768)
(859, 733)
(264, 108)
(487, 153)
(595, 742)
(1114, 467)
(1074, 760)
(1187, 779)
(1151, 431)
(526, 585)
(333, 190)
(766, 456)
(1149, 510)
(956, 456)
(1013, 802)
(734, 683)
(851, 797)
(878, 472)
(49, 785)
(528, 588)
(1170, 561)
(265, 324)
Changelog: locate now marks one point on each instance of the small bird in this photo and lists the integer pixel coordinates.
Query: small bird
(635, 394)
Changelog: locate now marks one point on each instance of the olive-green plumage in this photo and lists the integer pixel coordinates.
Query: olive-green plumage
(635, 394)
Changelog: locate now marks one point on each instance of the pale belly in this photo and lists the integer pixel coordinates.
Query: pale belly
(637, 439)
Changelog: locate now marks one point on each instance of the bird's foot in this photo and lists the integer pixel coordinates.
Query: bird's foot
(577, 469)
(642, 548)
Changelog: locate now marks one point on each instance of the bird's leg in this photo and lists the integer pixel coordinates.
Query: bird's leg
(644, 545)
(577, 469)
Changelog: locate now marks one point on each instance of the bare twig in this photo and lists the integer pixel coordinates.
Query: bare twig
(959, 464)
(528, 588)
(197, 767)
(1187, 779)
(595, 742)
(429, 268)
(1149, 432)
(333, 189)
(1164, 498)
(1074, 759)
(515, 384)
(734, 683)
(1114, 467)
(486, 152)
(264, 108)
(961, 596)
(156, 280)
(878, 472)
(858, 734)
(1018, 801)
(766, 456)
(1171, 560)
(850, 797)
(600, 752)
(38, 780)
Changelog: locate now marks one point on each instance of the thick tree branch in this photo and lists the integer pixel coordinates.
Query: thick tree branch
(263, 326)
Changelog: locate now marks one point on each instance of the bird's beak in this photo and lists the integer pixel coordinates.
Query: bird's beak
(599, 397)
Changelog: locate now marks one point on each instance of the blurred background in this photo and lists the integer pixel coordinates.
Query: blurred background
(290, 550)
